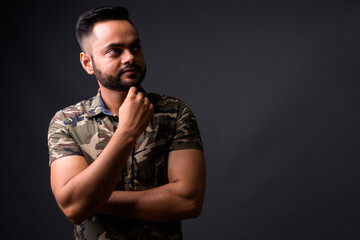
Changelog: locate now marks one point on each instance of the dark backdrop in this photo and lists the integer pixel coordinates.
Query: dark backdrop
(274, 86)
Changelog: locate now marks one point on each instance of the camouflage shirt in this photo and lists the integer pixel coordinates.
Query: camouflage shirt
(85, 128)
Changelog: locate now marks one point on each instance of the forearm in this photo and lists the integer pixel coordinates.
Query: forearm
(181, 198)
(84, 193)
(165, 203)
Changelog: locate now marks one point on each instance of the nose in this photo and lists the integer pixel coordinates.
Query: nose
(128, 57)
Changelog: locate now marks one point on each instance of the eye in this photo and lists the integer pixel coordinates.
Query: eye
(113, 51)
(136, 48)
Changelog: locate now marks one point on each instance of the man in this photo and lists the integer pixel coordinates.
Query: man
(125, 164)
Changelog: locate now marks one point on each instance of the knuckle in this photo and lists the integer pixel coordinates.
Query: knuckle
(151, 108)
(131, 94)
(140, 95)
(132, 97)
(132, 91)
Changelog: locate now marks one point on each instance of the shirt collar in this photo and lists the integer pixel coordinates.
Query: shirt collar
(98, 106)
(103, 107)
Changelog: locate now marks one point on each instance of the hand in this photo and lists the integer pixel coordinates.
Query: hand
(135, 113)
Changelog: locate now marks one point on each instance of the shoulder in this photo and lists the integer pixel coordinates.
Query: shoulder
(72, 114)
(165, 102)
(176, 114)
(173, 109)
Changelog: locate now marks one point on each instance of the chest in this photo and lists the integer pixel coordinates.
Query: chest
(146, 167)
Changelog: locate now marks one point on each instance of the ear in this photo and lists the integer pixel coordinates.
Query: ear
(86, 63)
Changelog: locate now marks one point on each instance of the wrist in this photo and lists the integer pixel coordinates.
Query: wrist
(125, 135)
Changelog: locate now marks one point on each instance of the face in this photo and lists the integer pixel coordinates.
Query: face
(116, 58)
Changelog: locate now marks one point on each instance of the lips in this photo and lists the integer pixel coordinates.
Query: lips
(130, 70)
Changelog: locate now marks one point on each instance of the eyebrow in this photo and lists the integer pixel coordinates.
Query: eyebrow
(111, 45)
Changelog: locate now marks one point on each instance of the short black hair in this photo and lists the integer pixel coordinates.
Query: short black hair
(88, 19)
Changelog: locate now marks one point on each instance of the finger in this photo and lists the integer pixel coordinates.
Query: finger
(132, 91)
(140, 96)
(131, 95)
(146, 101)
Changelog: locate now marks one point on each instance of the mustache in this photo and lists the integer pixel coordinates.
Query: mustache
(129, 66)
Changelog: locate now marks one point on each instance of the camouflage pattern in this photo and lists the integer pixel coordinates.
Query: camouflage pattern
(85, 128)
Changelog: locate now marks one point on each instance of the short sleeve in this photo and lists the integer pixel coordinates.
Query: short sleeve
(60, 142)
(187, 134)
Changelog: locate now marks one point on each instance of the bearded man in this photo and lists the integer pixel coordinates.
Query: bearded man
(125, 164)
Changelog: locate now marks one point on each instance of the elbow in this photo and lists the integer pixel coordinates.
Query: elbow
(76, 214)
(196, 210)
(192, 200)
(77, 220)
(193, 208)
(77, 211)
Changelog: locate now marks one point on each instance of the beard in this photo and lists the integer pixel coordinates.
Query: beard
(112, 82)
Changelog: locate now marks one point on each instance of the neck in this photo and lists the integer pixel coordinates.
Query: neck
(112, 99)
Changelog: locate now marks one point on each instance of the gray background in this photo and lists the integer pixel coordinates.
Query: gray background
(274, 86)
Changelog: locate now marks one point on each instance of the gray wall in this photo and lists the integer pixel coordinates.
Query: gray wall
(274, 86)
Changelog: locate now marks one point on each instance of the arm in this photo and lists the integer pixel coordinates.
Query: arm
(181, 198)
(81, 190)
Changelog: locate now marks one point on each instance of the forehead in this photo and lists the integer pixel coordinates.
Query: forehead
(113, 31)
